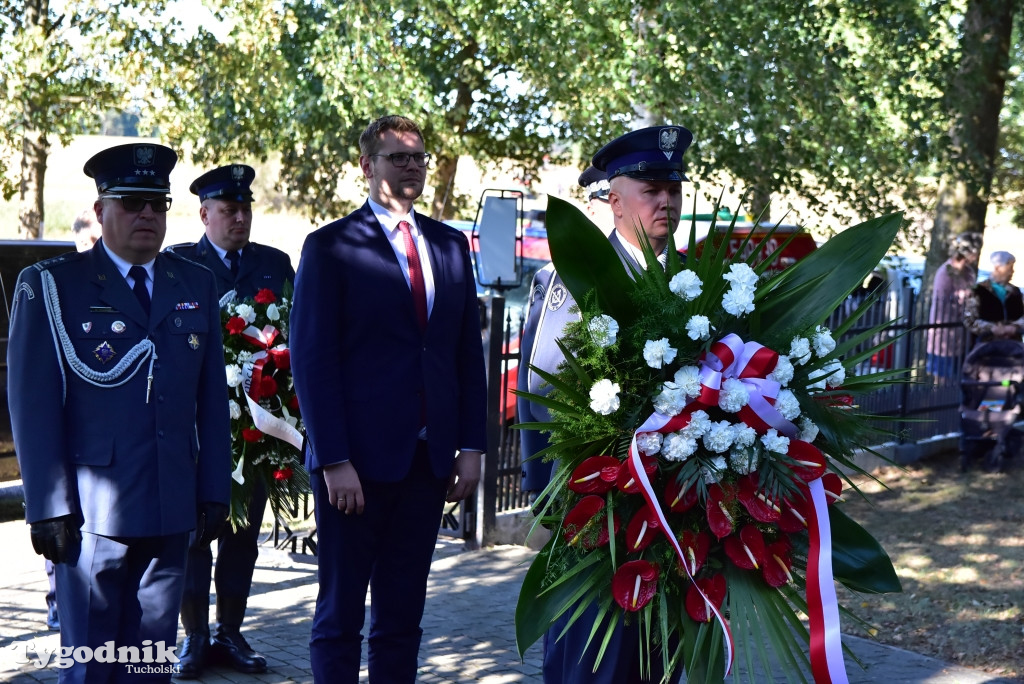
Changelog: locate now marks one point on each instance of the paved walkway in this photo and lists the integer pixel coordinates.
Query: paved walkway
(468, 625)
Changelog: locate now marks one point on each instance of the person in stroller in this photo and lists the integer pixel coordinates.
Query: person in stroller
(995, 309)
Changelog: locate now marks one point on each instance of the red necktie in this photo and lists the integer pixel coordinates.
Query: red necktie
(416, 282)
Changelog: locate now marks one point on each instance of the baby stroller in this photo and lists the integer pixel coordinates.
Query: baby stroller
(991, 389)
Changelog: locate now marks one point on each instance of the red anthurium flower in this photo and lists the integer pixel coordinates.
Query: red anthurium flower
(679, 500)
(578, 518)
(810, 462)
(265, 296)
(833, 487)
(695, 547)
(625, 480)
(777, 563)
(268, 386)
(251, 434)
(721, 509)
(757, 503)
(235, 325)
(714, 589)
(596, 475)
(282, 357)
(794, 510)
(642, 529)
(634, 584)
(283, 474)
(293, 403)
(746, 549)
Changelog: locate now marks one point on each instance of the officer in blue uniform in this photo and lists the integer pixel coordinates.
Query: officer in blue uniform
(644, 172)
(120, 418)
(244, 267)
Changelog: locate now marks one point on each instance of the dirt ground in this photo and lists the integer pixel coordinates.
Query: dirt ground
(957, 543)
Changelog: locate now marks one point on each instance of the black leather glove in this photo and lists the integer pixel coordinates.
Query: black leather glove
(55, 539)
(210, 522)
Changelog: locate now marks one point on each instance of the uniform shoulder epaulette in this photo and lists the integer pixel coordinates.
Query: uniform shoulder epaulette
(181, 245)
(46, 264)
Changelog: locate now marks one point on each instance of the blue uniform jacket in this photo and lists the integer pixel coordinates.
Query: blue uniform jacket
(124, 466)
(363, 371)
(261, 267)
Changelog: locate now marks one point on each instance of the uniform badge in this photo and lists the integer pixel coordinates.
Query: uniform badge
(237, 173)
(104, 352)
(558, 296)
(177, 322)
(144, 155)
(87, 326)
(193, 341)
(667, 141)
(118, 326)
(186, 306)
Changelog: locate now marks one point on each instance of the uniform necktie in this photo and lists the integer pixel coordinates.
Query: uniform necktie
(234, 257)
(138, 274)
(416, 282)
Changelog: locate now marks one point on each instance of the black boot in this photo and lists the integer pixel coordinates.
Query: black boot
(228, 645)
(195, 650)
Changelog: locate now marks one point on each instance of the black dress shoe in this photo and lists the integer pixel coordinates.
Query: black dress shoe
(52, 619)
(230, 647)
(194, 653)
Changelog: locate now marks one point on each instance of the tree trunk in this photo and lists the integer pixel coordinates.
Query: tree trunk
(977, 96)
(34, 151)
(444, 185)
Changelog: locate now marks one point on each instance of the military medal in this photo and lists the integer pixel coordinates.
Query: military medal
(118, 326)
(87, 326)
(104, 352)
(193, 341)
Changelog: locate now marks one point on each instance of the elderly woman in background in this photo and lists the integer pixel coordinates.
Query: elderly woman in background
(995, 309)
(950, 289)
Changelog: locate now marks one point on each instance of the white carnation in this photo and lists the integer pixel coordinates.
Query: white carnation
(698, 425)
(234, 409)
(273, 313)
(234, 375)
(743, 435)
(658, 353)
(719, 438)
(743, 461)
(603, 329)
(604, 397)
(741, 276)
(243, 357)
(649, 442)
(698, 328)
(245, 312)
(714, 470)
(823, 342)
(808, 430)
(671, 400)
(775, 442)
(786, 404)
(836, 373)
(686, 284)
(800, 351)
(677, 447)
(688, 380)
(733, 395)
(738, 302)
(783, 372)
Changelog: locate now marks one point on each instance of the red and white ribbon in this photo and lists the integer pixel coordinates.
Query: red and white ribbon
(827, 663)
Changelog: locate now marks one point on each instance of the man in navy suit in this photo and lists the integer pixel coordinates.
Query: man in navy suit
(644, 171)
(245, 267)
(119, 408)
(389, 372)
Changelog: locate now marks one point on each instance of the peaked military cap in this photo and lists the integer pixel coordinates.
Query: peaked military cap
(134, 167)
(654, 153)
(594, 183)
(229, 182)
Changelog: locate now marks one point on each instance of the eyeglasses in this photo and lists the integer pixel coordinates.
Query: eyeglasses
(401, 159)
(137, 202)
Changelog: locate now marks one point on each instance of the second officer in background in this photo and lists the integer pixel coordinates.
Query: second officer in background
(226, 198)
